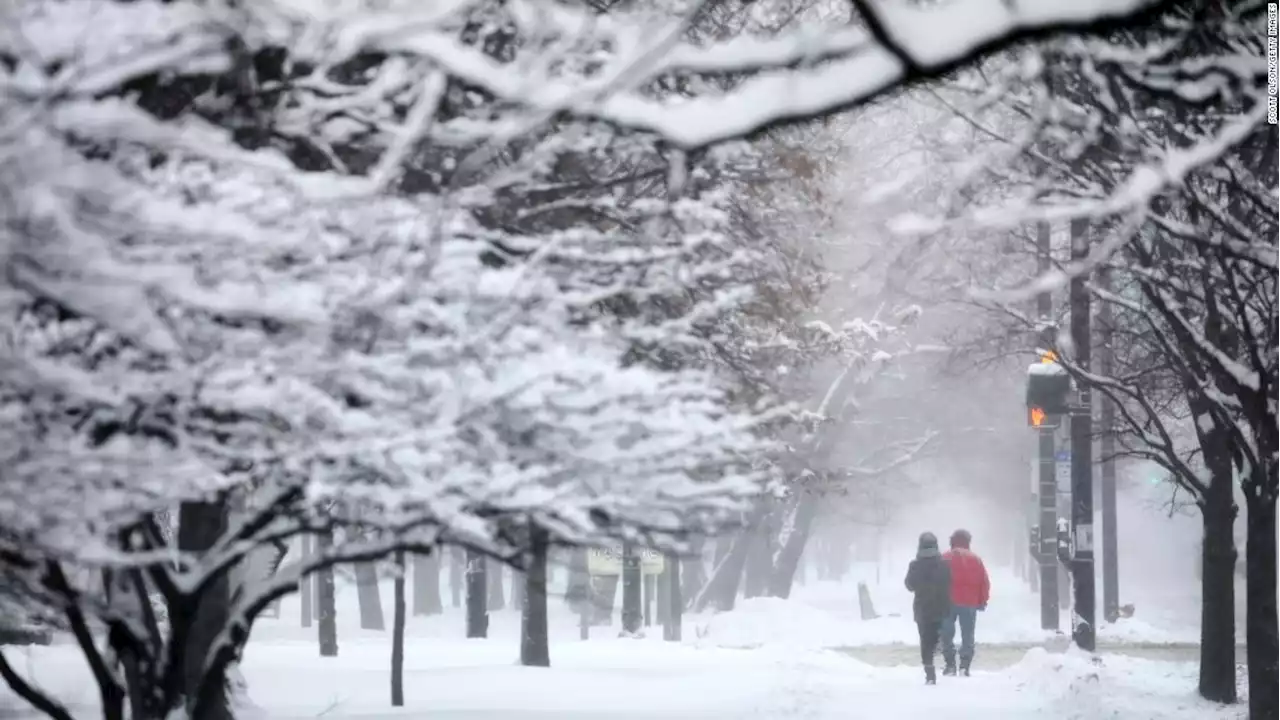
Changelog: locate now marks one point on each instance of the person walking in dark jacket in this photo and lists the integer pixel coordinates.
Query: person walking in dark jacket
(929, 578)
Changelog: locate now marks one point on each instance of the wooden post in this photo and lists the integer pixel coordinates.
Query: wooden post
(304, 585)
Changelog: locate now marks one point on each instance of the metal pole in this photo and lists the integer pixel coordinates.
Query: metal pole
(1106, 366)
(632, 593)
(1065, 587)
(1048, 486)
(1032, 530)
(1048, 532)
(1083, 625)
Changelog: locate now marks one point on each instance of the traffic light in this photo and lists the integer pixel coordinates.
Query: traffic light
(1048, 389)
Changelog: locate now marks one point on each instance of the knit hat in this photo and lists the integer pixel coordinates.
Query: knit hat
(961, 539)
(928, 546)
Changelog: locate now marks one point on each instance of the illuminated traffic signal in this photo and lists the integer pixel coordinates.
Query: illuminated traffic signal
(1048, 389)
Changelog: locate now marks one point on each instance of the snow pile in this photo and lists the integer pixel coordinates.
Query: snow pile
(1077, 685)
(826, 615)
(794, 623)
(757, 622)
(1133, 630)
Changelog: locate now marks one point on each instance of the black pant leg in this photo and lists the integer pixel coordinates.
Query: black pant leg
(928, 640)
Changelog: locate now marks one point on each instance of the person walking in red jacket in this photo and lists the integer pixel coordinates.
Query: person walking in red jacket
(970, 591)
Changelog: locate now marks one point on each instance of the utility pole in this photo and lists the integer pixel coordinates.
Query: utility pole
(1082, 626)
(1107, 416)
(1048, 487)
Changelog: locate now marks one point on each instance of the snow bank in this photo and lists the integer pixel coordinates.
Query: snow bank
(826, 615)
(1079, 685)
(794, 623)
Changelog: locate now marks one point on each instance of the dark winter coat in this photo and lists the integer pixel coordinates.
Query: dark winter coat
(929, 578)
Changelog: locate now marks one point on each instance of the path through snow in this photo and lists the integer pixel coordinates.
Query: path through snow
(637, 679)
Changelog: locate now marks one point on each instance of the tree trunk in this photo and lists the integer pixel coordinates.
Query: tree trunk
(721, 589)
(577, 592)
(841, 558)
(724, 545)
(663, 597)
(477, 595)
(497, 598)
(397, 632)
(426, 585)
(368, 596)
(759, 567)
(1218, 559)
(604, 591)
(648, 582)
(632, 592)
(200, 525)
(671, 629)
(1260, 602)
(518, 587)
(694, 571)
(305, 585)
(535, 645)
(788, 560)
(326, 601)
(457, 563)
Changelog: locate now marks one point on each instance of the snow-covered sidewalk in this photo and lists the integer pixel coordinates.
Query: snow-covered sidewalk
(769, 659)
(630, 680)
(826, 615)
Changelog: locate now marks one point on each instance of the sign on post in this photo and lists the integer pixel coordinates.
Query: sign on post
(1084, 538)
(1062, 471)
(608, 561)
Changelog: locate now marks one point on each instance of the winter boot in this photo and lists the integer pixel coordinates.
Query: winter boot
(964, 670)
(930, 677)
(949, 669)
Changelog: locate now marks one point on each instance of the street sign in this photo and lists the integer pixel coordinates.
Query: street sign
(1084, 538)
(1063, 456)
(608, 560)
(1062, 475)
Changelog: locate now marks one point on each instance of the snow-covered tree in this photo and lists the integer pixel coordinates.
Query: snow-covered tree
(212, 321)
(1160, 136)
(253, 246)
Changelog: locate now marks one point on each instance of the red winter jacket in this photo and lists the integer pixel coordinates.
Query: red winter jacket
(970, 586)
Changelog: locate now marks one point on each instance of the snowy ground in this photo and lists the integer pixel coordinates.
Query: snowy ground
(826, 615)
(769, 659)
(818, 615)
(628, 680)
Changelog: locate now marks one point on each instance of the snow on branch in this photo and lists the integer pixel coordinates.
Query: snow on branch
(839, 67)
